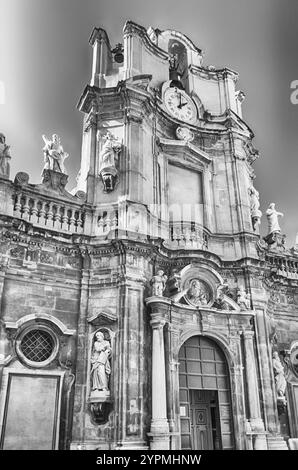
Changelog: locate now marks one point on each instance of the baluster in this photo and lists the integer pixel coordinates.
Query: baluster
(72, 221)
(100, 224)
(57, 218)
(18, 206)
(114, 221)
(34, 212)
(42, 214)
(108, 223)
(26, 208)
(80, 222)
(50, 217)
(64, 219)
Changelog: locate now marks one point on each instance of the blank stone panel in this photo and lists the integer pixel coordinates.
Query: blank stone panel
(31, 413)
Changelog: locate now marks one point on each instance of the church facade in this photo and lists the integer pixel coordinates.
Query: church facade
(143, 310)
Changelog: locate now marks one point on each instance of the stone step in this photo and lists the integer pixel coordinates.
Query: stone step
(276, 443)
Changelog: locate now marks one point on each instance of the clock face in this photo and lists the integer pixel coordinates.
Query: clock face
(180, 105)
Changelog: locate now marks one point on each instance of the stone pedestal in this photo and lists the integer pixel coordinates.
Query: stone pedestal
(54, 179)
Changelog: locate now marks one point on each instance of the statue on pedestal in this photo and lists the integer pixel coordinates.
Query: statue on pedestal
(272, 217)
(159, 283)
(243, 299)
(4, 157)
(100, 364)
(107, 161)
(54, 155)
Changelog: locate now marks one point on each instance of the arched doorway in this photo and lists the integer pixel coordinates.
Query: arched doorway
(205, 396)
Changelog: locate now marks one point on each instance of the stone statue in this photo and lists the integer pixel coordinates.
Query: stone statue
(159, 283)
(100, 364)
(243, 299)
(221, 295)
(54, 155)
(256, 214)
(107, 161)
(272, 217)
(4, 156)
(279, 374)
(197, 293)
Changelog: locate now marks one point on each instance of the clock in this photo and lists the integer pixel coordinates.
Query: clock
(180, 105)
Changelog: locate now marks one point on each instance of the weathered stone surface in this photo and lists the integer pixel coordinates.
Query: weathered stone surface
(71, 266)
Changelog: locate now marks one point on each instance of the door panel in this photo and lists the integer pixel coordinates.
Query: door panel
(204, 372)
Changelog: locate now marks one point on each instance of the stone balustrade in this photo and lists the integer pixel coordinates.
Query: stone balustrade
(107, 220)
(284, 267)
(48, 214)
(187, 235)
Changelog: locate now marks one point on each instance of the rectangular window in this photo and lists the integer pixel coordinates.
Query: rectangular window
(185, 194)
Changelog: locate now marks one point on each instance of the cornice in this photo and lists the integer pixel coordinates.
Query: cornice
(209, 73)
(131, 28)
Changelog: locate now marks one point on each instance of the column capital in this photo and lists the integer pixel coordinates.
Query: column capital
(157, 323)
(248, 334)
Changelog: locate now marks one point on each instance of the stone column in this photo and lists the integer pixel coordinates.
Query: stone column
(159, 431)
(256, 422)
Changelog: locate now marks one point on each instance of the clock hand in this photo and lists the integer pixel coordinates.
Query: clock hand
(179, 105)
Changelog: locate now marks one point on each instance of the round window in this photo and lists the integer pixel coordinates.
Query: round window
(37, 347)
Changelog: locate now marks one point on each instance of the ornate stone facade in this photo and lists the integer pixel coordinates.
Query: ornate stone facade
(143, 308)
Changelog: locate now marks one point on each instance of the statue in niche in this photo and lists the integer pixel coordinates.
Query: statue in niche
(256, 214)
(4, 156)
(279, 375)
(159, 283)
(107, 161)
(54, 154)
(243, 299)
(272, 217)
(100, 364)
(197, 294)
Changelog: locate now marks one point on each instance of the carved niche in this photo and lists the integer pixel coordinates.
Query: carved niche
(100, 368)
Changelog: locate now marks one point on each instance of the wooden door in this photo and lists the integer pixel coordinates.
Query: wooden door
(201, 427)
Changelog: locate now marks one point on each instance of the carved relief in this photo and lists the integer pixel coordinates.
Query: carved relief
(198, 293)
(183, 133)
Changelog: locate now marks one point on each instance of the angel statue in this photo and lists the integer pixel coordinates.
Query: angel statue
(54, 155)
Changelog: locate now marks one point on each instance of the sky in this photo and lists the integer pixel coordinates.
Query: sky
(45, 63)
